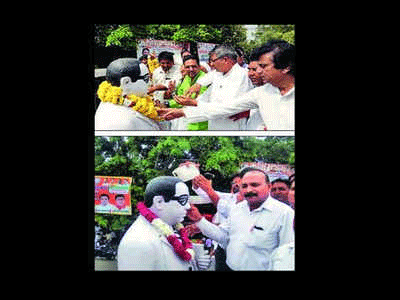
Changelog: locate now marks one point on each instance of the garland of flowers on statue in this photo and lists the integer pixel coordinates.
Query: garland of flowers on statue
(182, 249)
(152, 63)
(113, 94)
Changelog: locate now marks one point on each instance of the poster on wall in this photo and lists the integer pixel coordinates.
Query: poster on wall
(203, 49)
(157, 46)
(112, 195)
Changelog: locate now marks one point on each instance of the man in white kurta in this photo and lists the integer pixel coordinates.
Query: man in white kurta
(162, 77)
(225, 88)
(275, 99)
(277, 110)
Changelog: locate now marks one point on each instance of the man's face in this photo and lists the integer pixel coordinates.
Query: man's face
(280, 191)
(219, 63)
(270, 74)
(192, 68)
(254, 188)
(255, 73)
(166, 64)
(173, 210)
(120, 201)
(104, 200)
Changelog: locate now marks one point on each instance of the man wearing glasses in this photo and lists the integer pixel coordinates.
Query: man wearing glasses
(227, 83)
(274, 99)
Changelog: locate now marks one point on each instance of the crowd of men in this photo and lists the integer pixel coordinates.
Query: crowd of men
(254, 230)
(226, 93)
(274, 244)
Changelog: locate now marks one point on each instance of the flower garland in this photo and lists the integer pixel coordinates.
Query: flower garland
(182, 249)
(113, 94)
(152, 64)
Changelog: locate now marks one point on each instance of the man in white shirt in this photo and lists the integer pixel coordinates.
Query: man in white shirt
(166, 77)
(229, 82)
(275, 99)
(224, 203)
(164, 81)
(255, 226)
(282, 259)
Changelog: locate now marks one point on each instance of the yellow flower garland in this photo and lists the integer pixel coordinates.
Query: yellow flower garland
(113, 94)
(152, 64)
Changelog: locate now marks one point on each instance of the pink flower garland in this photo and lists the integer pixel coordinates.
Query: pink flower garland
(183, 250)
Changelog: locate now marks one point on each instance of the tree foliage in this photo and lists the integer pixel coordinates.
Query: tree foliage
(127, 35)
(265, 33)
(268, 32)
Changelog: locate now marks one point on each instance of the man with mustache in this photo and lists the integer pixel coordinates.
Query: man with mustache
(255, 226)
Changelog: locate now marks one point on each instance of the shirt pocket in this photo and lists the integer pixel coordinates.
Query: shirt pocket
(263, 239)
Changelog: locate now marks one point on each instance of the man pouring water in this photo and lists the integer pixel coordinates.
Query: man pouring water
(255, 226)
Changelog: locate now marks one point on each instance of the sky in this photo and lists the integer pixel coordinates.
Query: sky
(251, 30)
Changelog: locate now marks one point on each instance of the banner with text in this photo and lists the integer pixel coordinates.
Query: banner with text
(157, 46)
(112, 195)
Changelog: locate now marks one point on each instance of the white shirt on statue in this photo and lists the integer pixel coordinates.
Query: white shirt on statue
(144, 248)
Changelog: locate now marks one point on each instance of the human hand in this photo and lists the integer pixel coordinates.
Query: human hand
(168, 114)
(150, 90)
(194, 214)
(241, 115)
(192, 229)
(171, 85)
(183, 100)
(201, 182)
(193, 89)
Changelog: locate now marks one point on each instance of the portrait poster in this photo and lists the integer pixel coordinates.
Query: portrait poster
(157, 46)
(112, 195)
(203, 49)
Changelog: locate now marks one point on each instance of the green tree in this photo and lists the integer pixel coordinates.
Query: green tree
(265, 33)
(127, 35)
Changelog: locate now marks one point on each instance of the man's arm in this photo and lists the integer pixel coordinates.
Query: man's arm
(210, 230)
(201, 182)
(208, 111)
(286, 233)
(157, 87)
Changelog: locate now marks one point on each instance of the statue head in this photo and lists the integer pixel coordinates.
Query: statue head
(168, 198)
(123, 67)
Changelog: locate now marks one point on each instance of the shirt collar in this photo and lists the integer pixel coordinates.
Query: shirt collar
(267, 204)
(272, 89)
(232, 70)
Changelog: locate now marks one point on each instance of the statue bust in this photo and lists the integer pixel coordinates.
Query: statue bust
(131, 77)
(144, 246)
